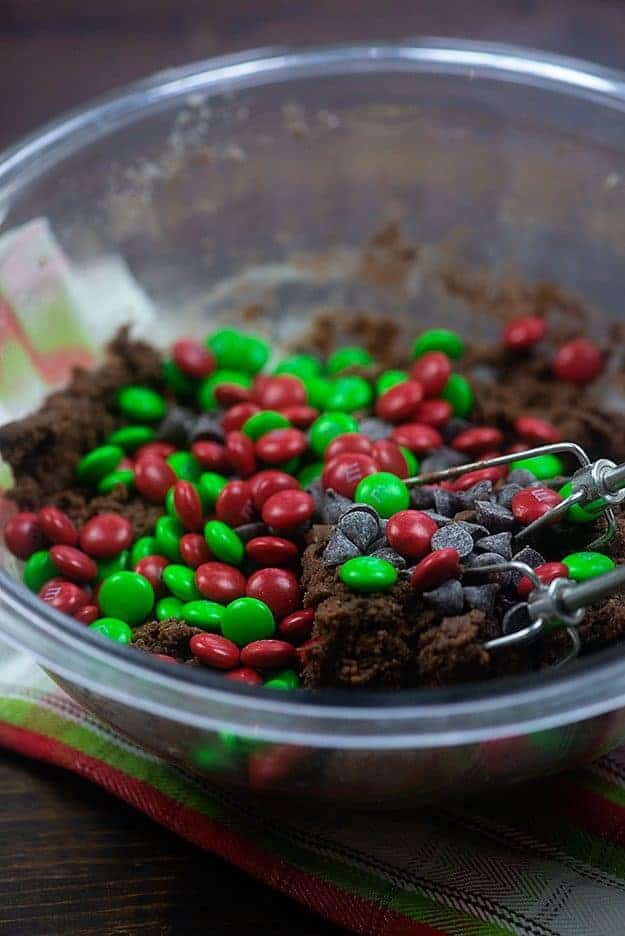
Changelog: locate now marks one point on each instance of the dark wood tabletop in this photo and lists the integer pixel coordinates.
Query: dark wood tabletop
(73, 860)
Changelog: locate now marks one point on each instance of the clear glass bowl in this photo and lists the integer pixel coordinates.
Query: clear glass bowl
(257, 178)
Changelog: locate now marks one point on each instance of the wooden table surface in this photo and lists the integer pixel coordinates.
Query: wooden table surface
(73, 860)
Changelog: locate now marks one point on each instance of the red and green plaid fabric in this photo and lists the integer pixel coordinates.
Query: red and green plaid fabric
(546, 860)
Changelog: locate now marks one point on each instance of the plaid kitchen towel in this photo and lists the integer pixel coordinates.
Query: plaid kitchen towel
(547, 860)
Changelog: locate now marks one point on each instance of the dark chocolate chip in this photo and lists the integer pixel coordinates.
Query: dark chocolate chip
(453, 536)
(530, 557)
(447, 599)
(318, 495)
(493, 516)
(441, 519)
(375, 428)
(248, 531)
(454, 427)
(177, 426)
(521, 476)
(507, 492)
(360, 526)
(481, 597)
(333, 506)
(476, 530)
(339, 549)
(207, 426)
(443, 458)
(477, 560)
(422, 496)
(480, 491)
(445, 502)
(391, 556)
(500, 543)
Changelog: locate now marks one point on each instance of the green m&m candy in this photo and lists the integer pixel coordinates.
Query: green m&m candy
(116, 563)
(141, 404)
(131, 437)
(303, 366)
(459, 394)
(541, 466)
(144, 546)
(210, 486)
(368, 574)
(318, 390)
(38, 569)
(113, 628)
(439, 339)
(345, 358)
(384, 491)
(180, 580)
(586, 514)
(347, 394)
(98, 462)
(223, 542)
(125, 477)
(260, 423)
(283, 679)
(206, 392)
(182, 385)
(168, 608)
(587, 565)
(253, 354)
(390, 379)
(127, 596)
(185, 466)
(207, 615)
(412, 461)
(310, 473)
(225, 343)
(247, 619)
(327, 427)
(168, 532)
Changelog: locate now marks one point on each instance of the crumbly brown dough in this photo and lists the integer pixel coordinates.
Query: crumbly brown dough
(169, 636)
(44, 448)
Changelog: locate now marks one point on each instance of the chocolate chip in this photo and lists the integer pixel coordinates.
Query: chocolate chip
(476, 530)
(453, 536)
(422, 496)
(177, 426)
(530, 557)
(478, 560)
(445, 502)
(500, 543)
(360, 526)
(480, 491)
(481, 597)
(375, 428)
(395, 559)
(447, 599)
(317, 493)
(333, 506)
(521, 476)
(493, 516)
(207, 426)
(339, 549)
(441, 519)
(454, 427)
(248, 531)
(507, 492)
(443, 458)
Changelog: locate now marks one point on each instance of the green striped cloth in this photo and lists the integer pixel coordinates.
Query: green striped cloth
(547, 860)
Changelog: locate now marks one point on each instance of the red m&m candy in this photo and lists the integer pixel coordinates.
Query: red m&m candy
(57, 526)
(234, 505)
(73, 564)
(578, 362)
(536, 431)
(278, 588)
(434, 569)
(236, 417)
(271, 550)
(351, 442)
(63, 595)
(300, 415)
(399, 403)
(546, 572)
(466, 481)
(433, 412)
(246, 675)
(153, 478)
(432, 371)
(523, 332)
(194, 550)
(105, 535)
(478, 439)
(240, 453)
(188, 505)
(211, 455)
(280, 445)
(214, 650)
(87, 614)
(159, 449)
(274, 393)
(193, 358)
(344, 473)
(417, 437)
(531, 503)
(268, 654)
(220, 582)
(229, 395)
(23, 534)
(151, 568)
(265, 483)
(389, 457)
(410, 532)
(287, 510)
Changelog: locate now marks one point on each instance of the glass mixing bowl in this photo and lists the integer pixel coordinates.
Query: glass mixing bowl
(254, 180)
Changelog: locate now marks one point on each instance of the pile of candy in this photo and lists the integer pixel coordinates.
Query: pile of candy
(244, 462)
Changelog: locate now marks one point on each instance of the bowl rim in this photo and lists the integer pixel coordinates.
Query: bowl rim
(415, 717)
